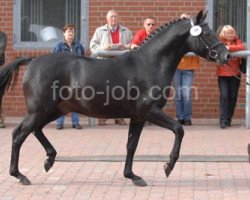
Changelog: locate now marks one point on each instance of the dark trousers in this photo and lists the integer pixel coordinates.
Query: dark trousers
(229, 87)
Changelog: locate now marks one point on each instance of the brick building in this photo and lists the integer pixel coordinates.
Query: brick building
(132, 13)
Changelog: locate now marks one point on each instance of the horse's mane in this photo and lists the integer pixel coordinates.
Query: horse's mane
(158, 31)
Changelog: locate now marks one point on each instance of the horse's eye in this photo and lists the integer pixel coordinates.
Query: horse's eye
(205, 32)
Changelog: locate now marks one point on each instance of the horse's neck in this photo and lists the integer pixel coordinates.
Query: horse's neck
(168, 48)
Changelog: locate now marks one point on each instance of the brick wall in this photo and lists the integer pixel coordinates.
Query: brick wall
(131, 14)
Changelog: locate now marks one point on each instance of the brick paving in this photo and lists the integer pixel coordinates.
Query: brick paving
(104, 180)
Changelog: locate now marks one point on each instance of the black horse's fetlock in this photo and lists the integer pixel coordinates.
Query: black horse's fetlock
(168, 169)
(48, 163)
(128, 175)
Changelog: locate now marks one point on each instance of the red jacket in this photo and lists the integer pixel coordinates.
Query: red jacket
(139, 36)
(225, 70)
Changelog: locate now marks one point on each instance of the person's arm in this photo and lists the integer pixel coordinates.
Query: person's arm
(127, 37)
(81, 49)
(136, 40)
(239, 46)
(57, 48)
(95, 42)
(130, 36)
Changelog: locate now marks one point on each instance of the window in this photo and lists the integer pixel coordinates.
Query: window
(38, 23)
(231, 12)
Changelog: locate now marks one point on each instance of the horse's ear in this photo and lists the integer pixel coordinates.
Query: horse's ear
(201, 16)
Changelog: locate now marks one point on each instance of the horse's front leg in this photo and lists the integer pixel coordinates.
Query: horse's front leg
(134, 133)
(50, 150)
(159, 118)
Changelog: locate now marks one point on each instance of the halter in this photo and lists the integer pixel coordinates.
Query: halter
(212, 53)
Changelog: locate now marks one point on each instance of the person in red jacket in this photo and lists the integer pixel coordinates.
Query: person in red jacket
(229, 76)
(142, 34)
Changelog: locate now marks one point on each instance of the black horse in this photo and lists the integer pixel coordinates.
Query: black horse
(134, 85)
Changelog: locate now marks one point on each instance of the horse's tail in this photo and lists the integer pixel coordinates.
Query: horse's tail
(6, 74)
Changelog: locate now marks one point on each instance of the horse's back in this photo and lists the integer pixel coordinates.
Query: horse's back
(47, 72)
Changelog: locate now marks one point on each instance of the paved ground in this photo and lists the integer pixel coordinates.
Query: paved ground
(104, 180)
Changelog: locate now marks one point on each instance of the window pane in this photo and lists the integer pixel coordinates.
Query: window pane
(43, 20)
(231, 12)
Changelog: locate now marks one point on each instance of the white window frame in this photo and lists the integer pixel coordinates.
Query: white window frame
(18, 44)
(209, 6)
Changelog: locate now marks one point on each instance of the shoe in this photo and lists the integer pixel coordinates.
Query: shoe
(76, 126)
(228, 123)
(181, 121)
(148, 124)
(59, 126)
(187, 122)
(223, 125)
(2, 125)
(120, 122)
(101, 122)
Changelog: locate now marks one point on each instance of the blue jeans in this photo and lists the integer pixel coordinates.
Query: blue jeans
(229, 87)
(74, 119)
(183, 80)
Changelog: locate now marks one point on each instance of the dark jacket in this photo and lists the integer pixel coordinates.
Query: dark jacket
(3, 44)
(77, 48)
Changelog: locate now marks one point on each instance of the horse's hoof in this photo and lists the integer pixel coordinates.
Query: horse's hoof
(47, 165)
(25, 181)
(138, 181)
(167, 169)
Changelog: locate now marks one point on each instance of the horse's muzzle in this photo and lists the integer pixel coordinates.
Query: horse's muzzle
(228, 57)
(224, 58)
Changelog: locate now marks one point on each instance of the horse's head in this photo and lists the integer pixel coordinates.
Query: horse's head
(203, 41)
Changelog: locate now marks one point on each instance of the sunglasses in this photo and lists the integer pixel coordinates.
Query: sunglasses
(150, 24)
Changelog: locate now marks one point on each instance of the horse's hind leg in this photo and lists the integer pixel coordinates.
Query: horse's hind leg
(159, 118)
(134, 133)
(18, 137)
(50, 150)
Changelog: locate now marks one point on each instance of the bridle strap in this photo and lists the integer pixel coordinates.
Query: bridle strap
(216, 44)
(212, 53)
(241, 73)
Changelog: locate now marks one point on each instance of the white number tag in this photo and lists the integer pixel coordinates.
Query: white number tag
(195, 30)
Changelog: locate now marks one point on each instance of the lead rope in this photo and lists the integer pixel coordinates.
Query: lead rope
(238, 71)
